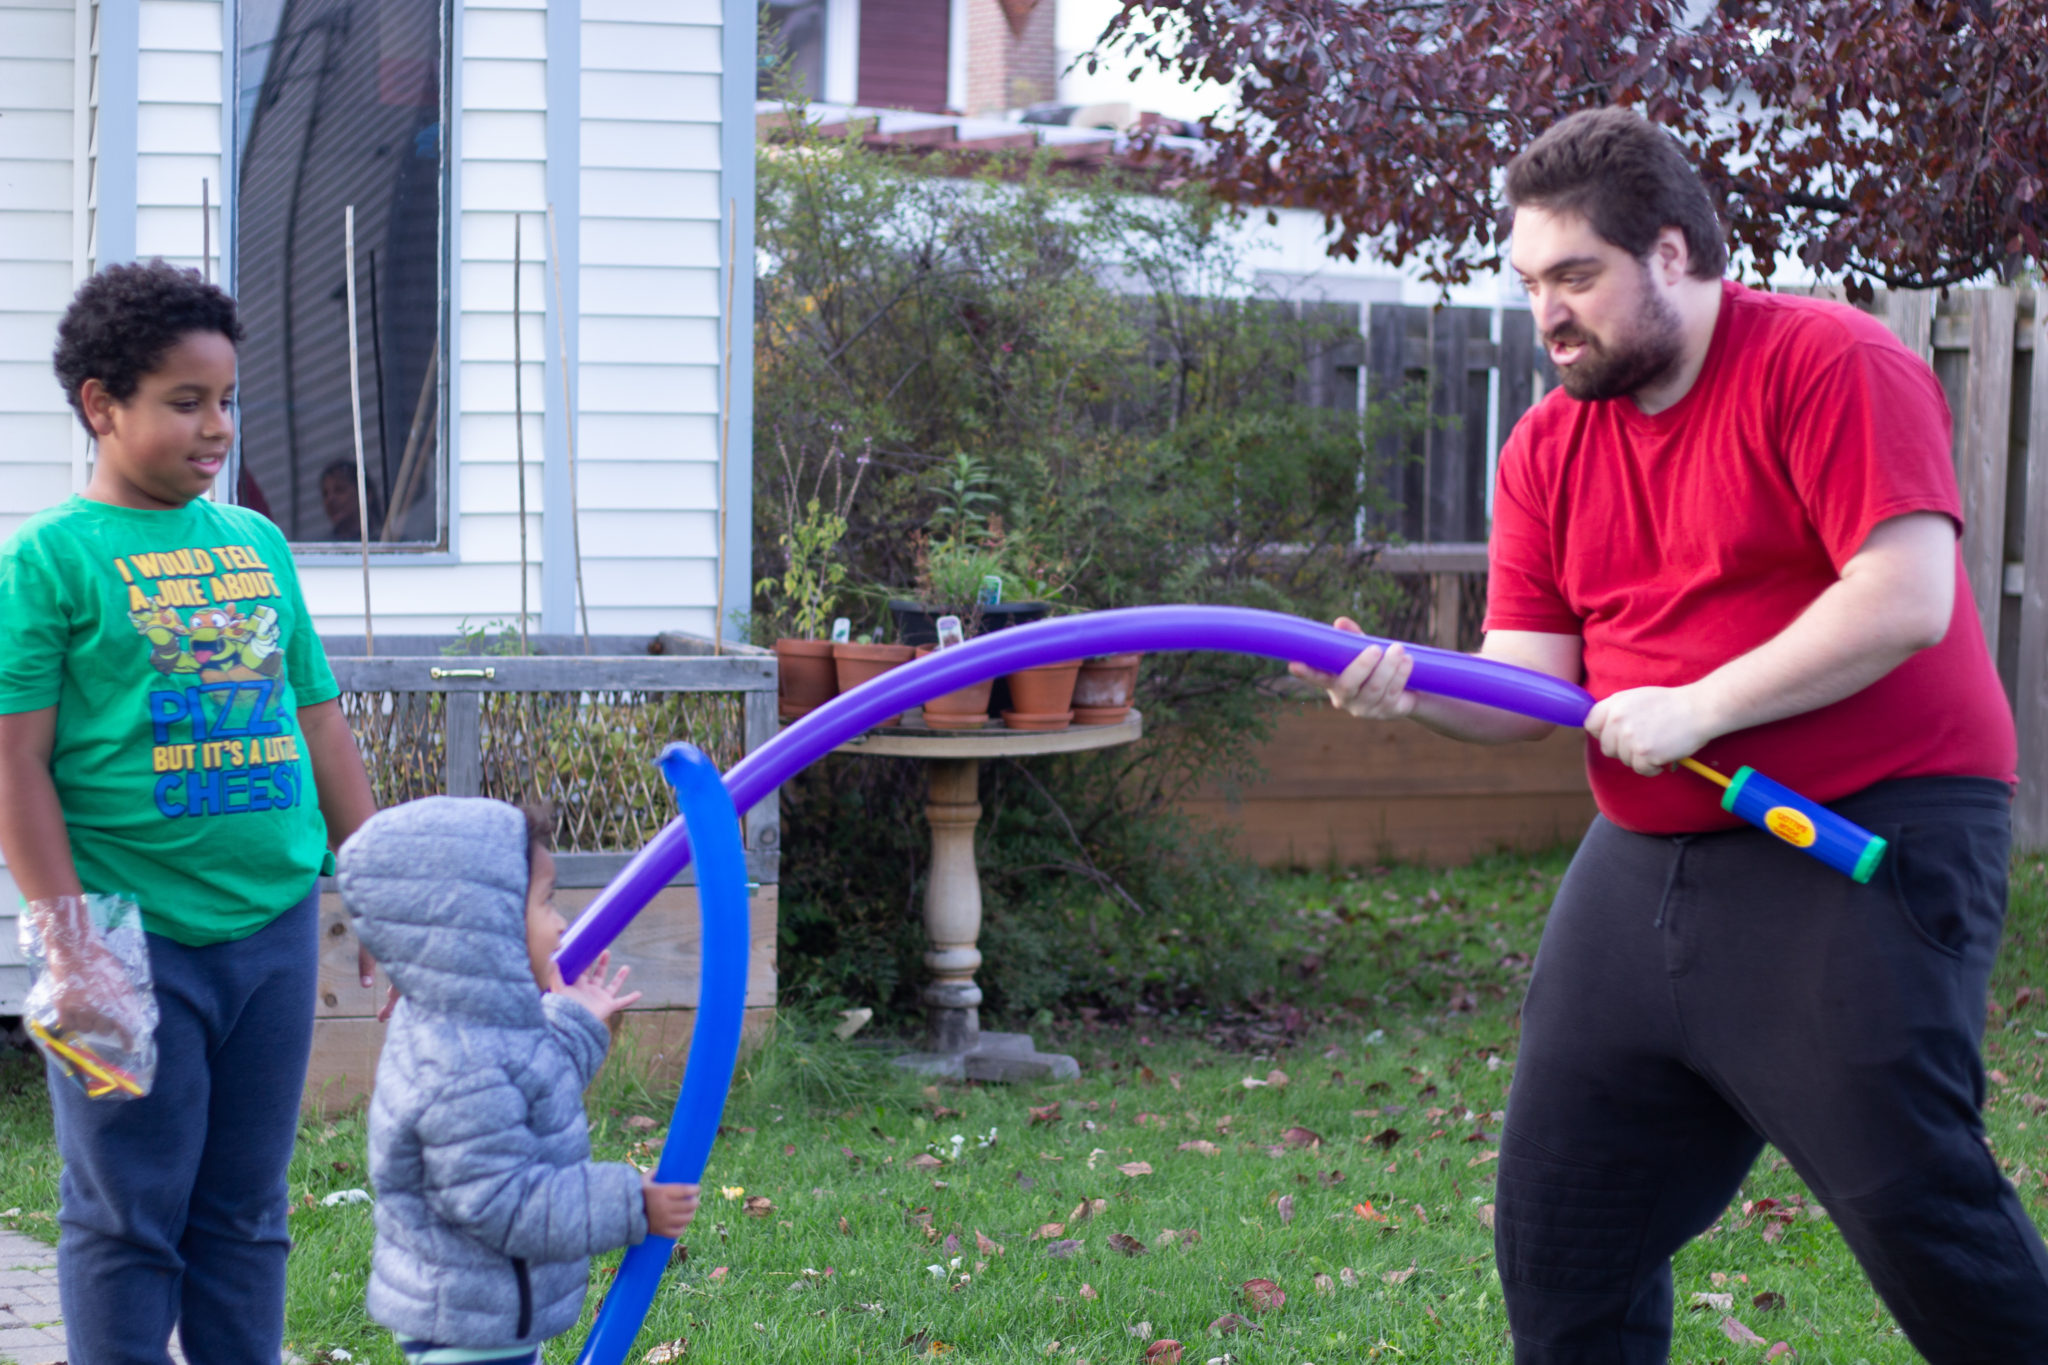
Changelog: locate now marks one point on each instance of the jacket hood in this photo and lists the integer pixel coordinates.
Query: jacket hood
(437, 890)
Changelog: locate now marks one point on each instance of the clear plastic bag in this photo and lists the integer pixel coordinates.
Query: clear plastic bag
(91, 1004)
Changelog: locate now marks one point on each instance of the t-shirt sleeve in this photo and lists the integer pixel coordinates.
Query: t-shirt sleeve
(1522, 589)
(305, 658)
(38, 617)
(1868, 440)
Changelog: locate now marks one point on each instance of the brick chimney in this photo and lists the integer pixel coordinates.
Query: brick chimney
(1010, 60)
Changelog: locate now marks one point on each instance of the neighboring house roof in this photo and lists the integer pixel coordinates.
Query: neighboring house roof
(976, 138)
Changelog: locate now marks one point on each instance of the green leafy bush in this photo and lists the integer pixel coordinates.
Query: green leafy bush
(1073, 383)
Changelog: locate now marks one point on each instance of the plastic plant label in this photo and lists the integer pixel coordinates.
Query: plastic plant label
(842, 630)
(991, 590)
(950, 632)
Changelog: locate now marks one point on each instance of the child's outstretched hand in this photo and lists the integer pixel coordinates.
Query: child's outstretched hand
(669, 1207)
(597, 995)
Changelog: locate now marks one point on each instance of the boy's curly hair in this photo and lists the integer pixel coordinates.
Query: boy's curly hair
(123, 320)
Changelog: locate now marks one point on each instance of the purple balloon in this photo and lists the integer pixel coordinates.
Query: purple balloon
(1241, 630)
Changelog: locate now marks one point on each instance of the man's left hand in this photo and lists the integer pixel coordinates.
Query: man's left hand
(1651, 728)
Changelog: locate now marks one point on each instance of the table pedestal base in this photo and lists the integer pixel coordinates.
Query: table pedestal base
(995, 1057)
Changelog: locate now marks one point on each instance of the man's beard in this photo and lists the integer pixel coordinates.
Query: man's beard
(1643, 354)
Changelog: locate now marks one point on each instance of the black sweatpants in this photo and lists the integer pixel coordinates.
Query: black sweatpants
(1697, 996)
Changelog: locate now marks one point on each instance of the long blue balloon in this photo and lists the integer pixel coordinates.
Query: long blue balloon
(714, 826)
(1238, 629)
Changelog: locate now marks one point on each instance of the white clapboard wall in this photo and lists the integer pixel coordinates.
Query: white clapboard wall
(649, 283)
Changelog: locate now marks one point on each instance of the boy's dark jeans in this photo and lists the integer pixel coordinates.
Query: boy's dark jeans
(174, 1204)
(1695, 997)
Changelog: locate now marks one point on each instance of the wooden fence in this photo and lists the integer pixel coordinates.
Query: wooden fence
(1477, 371)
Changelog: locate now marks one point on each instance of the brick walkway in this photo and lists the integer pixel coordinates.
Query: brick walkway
(31, 1325)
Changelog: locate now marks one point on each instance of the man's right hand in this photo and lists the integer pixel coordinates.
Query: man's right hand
(1374, 686)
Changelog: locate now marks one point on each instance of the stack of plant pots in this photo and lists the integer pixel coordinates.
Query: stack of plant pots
(965, 709)
(805, 677)
(856, 664)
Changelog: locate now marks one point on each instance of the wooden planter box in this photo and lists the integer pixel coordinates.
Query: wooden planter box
(581, 731)
(1345, 792)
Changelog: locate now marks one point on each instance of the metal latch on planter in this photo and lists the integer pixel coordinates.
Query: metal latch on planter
(438, 674)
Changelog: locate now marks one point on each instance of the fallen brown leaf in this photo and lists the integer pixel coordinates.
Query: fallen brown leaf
(1733, 1329)
(757, 1206)
(719, 1272)
(1348, 1278)
(1186, 1237)
(985, 1246)
(1127, 1244)
(1088, 1292)
(1201, 1147)
(1049, 1230)
(1325, 1285)
(1062, 1249)
(1366, 1210)
(925, 1161)
(1770, 1301)
(1276, 1078)
(1233, 1322)
(1286, 1209)
(1485, 1212)
(1384, 1139)
(1302, 1137)
(1165, 1351)
(1483, 1158)
(1262, 1295)
(640, 1123)
(845, 1228)
(1049, 1113)
(1087, 1209)
(1135, 1168)
(1780, 1350)
(1400, 1276)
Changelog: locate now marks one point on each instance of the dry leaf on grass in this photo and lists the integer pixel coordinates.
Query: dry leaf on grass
(1400, 1276)
(1135, 1168)
(985, 1246)
(1302, 1137)
(758, 1206)
(1165, 1351)
(1088, 1291)
(1325, 1285)
(640, 1123)
(1201, 1147)
(925, 1161)
(1262, 1295)
(1046, 1231)
(1063, 1248)
(1768, 1302)
(1233, 1322)
(667, 1352)
(1286, 1209)
(1348, 1278)
(1720, 1303)
(1087, 1209)
(1049, 1113)
(1127, 1244)
(1733, 1329)
(1186, 1237)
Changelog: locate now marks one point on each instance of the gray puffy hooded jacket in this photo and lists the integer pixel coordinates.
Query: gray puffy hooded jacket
(488, 1204)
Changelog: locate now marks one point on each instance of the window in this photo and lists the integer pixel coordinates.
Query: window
(342, 103)
(796, 31)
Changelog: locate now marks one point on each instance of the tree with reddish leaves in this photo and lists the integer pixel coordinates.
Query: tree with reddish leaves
(1902, 142)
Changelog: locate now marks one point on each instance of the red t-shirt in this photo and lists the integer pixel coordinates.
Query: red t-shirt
(1672, 543)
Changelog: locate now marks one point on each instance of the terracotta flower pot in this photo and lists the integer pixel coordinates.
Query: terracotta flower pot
(1103, 691)
(804, 677)
(1041, 698)
(966, 709)
(856, 664)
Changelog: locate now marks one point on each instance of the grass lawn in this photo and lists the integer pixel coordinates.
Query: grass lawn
(854, 1214)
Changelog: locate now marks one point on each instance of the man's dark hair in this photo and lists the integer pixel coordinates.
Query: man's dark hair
(1625, 176)
(124, 319)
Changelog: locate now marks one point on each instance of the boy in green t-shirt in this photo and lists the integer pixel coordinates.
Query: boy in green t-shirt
(169, 731)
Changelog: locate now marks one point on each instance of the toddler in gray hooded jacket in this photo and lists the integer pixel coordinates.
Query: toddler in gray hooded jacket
(488, 1204)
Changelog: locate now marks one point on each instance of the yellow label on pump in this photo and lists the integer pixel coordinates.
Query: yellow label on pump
(1791, 825)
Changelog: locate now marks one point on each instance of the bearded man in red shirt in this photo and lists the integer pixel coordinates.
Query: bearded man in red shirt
(1735, 522)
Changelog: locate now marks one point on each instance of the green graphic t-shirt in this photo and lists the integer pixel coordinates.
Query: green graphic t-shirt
(176, 648)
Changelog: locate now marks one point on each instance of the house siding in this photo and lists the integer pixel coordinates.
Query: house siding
(651, 294)
(40, 245)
